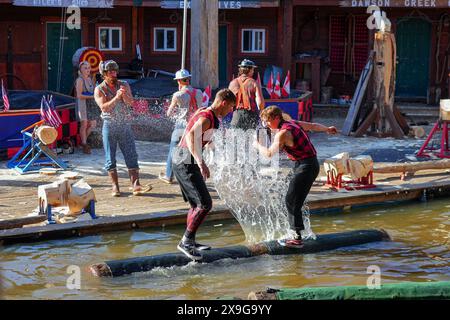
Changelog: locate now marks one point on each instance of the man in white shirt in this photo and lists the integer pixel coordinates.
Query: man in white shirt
(184, 104)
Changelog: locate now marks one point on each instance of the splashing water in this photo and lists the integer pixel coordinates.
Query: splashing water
(253, 187)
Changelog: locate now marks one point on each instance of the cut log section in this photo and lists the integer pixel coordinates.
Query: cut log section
(322, 243)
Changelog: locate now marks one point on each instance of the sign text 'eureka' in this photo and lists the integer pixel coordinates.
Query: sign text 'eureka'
(397, 3)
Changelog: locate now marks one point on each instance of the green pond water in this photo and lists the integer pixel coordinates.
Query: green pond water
(419, 252)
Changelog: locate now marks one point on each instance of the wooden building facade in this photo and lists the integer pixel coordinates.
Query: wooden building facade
(32, 51)
(339, 32)
(327, 39)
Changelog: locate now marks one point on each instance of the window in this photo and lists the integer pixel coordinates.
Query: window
(253, 40)
(110, 38)
(165, 39)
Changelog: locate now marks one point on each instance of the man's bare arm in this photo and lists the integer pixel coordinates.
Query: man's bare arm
(128, 96)
(308, 126)
(172, 106)
(101, 100)
(278, 144)
(194, 139)
(260, 102)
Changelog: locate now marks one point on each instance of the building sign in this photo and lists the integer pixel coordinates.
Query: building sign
(397, 3)
(179, 4)
(65, 3)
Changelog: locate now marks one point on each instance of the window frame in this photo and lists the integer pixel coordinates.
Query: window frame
(111, 27)
(166, 29)
(253, 30)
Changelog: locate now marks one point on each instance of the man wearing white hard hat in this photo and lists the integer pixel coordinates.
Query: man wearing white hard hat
(184, 104)
(249, 97)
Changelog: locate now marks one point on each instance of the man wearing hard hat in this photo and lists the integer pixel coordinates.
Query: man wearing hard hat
(114, 98)
(249, 97)
(184, 104)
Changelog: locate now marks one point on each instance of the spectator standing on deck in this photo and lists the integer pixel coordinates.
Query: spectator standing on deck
(87, 109)
(115, 99)
(249, 97)
(185, 103)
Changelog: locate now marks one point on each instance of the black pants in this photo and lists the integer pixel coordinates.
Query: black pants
(305, 173)
(245, 119)
(194, 190)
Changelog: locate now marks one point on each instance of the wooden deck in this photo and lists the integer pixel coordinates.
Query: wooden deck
(164, 204)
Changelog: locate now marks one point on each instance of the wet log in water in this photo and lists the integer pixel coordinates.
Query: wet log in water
(323, 242)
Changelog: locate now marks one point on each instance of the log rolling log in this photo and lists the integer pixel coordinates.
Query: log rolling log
(324, 242)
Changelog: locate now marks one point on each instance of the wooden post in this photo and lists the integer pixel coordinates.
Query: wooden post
(205, 43)
(285, 17)
(134, 29)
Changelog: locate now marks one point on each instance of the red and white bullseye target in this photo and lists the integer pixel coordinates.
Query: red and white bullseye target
(93, 56)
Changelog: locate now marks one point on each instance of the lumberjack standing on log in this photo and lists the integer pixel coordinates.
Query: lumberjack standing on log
(294, 141)
(114, 98)
(191, 171)
(249, 97)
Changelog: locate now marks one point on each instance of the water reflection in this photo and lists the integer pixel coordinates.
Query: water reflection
(419, 252)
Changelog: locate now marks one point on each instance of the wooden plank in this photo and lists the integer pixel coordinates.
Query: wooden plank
(358, 96)
(103, 224)
(178, 217)
(366, 123)
(20, 222)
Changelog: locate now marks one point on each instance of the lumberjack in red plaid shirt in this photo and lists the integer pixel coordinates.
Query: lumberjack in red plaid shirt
(293, 140)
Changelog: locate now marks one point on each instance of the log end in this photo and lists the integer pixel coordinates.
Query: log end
(261, 296)
(385, 235)
(258, 249)
(101, 270)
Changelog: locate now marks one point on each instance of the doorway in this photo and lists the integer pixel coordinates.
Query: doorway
(223, 50)
(413, 52)
(61, 45)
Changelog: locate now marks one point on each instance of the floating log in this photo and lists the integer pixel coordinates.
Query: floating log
(323, 242)
(412, 166)
(395, 291)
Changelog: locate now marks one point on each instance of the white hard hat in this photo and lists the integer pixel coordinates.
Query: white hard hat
(182, 74)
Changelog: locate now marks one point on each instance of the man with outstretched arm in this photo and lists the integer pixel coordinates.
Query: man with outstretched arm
(191, 171)
(291, 137)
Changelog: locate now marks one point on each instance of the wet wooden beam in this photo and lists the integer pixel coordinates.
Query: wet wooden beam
(20, 222)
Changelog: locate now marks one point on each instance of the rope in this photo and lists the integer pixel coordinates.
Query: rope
(62, 33)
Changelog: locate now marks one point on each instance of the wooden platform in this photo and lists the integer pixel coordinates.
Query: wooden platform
(137, 213)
